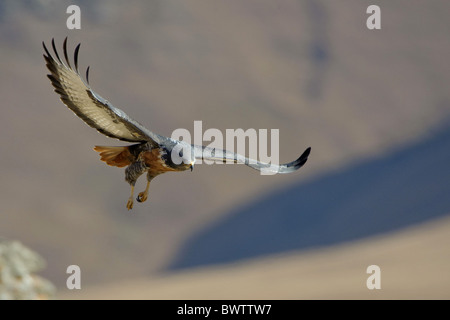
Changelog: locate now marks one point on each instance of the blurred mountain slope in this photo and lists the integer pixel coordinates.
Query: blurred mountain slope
(414, 264)
(409, 186)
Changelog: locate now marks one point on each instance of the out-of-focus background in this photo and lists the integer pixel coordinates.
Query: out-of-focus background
(374, 105)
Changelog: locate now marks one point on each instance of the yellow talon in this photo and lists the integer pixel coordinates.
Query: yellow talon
(130, 204)
(130, 199)
(142, 196)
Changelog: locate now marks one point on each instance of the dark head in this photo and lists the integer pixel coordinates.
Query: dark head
(181, 157)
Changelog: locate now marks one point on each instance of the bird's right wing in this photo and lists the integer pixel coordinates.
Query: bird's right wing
(97, 112)
(207, 153)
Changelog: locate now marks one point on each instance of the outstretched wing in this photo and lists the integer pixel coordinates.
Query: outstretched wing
(207, 153)
(89, 106)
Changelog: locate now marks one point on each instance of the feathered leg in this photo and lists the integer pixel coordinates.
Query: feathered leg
(142, 196)
(132, 173)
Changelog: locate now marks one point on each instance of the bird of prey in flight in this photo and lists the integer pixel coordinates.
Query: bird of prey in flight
(151, 153)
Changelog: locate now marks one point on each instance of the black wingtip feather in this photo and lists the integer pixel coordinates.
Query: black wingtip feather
(297, 164)
(65, 52)
(303, 158)
(76, 57)
(87, 74)
(305, 154)
(46, 51)
(56, 52)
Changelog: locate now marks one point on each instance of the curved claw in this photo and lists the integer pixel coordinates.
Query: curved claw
(130, 203)
(142, 196)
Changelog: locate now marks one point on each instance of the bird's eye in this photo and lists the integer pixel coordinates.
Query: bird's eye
(180, 154)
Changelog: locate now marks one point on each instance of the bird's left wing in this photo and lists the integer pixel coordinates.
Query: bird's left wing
(207, 153)
(89, 106)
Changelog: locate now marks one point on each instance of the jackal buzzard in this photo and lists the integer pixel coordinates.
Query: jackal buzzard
(151, 153)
